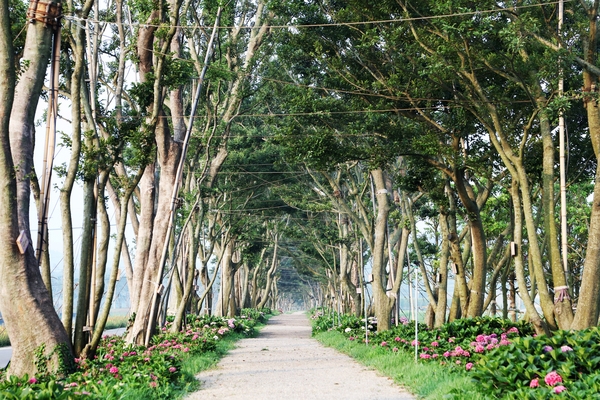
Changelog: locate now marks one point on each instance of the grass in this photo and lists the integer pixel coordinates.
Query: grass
(116, 321)
(426, 380)
(4, 340)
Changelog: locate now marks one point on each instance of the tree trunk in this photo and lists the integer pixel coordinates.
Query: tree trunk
(442, 280)
(534, 317)
(588, 309)
(31, 321)
(382, 304)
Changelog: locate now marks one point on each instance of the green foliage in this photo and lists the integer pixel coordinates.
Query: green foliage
(143, 93)
(508, 371)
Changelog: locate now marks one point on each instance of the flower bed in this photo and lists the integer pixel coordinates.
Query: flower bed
(505, 359)
(121, 369)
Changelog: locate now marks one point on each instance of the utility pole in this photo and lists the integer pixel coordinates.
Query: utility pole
(562, 152)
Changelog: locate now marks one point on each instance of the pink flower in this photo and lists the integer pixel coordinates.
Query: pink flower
(548, 349)
(32, 381)
(479, 348)
(153, 384)
(415, 343)
(534, 383)
(513, 330)
(351, 338)
(559, 389)
(458, 362)
(469, 366)
(424, 356)
(397, 339)
(565, 349)
(113, 370)
(395, 349)
(383, 344)
(446, 354)
(553, 378)
(434, 344)
(172, 369)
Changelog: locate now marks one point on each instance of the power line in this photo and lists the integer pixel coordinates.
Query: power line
(76, 19)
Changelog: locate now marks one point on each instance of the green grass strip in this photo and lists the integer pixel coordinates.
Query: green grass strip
(426, 380)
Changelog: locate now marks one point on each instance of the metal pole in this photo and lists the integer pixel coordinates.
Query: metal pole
(562, 154)
(416, 315)
(49, 145)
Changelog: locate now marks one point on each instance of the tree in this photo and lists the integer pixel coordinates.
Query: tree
(31, 321)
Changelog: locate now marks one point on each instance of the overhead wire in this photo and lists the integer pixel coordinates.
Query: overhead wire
(76, 19)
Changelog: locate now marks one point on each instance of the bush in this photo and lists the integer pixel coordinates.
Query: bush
(523, 368)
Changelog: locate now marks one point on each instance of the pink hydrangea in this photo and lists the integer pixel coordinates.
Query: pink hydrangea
(553, 378)
(559, 389)
(172, 369)
(565, 349)
(397, 339)
(32, 381)
(384, 344)
(534, 383)
(395, 349)
(113, 370)
(434, 344)
(469, 366)
(424, 356)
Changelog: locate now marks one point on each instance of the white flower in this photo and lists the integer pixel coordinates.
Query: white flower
(347, 330)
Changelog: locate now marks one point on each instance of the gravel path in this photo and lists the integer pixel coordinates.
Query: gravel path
(284, 362)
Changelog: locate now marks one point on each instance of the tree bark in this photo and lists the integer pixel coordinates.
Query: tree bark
(382, 304)
(31, 321)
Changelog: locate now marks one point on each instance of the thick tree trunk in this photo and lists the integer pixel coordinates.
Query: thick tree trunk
(588, 309)
(31, 321)
(477, 282)
(382, 304)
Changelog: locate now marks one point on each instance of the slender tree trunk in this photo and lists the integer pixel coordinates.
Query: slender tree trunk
(270, 272)
(532, 313)
(442, 280)
(90, 349)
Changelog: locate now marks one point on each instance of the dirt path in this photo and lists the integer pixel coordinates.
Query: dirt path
(284, 362)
